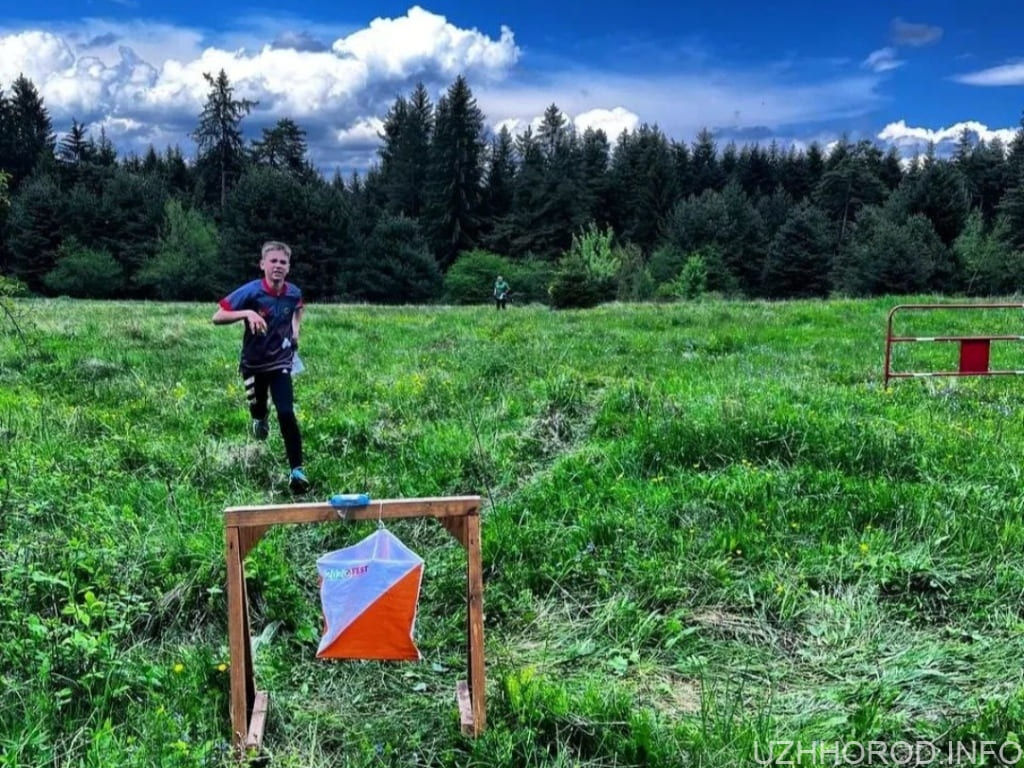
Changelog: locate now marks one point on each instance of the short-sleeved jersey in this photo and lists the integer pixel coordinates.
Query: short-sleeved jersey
(266, 351)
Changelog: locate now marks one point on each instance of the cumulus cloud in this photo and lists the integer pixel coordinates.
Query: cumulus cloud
(612, 121)
(402, 47)
(365, 133)
(906, 33)
(1007, 74)
(144, 82)
(122, 74)
(883, 60)
(911, 139)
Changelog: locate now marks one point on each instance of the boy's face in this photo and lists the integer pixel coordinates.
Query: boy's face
(275, 265)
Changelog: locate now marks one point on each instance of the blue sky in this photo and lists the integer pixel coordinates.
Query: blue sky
(794, 71)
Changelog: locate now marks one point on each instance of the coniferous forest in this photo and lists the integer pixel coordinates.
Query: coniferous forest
(571, 219)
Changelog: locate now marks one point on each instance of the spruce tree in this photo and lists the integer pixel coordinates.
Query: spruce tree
(498, 196)
(28, 132)
(405, 152)
(455, 179)
(284, 148)
(799, 260)
(221, 149)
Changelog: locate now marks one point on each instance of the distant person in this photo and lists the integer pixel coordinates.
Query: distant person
(271, 310)
(501, 291)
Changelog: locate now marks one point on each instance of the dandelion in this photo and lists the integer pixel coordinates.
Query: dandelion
(222, 667)
(864, 547)
(779, 589)
(179, 668)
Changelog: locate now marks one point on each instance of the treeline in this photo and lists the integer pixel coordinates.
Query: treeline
(572, 219)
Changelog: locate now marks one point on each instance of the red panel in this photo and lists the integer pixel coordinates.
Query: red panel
(974, 356)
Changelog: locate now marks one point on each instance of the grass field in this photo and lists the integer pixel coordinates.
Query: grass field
(707, 531)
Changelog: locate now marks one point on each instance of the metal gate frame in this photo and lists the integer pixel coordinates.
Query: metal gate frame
(974, 350)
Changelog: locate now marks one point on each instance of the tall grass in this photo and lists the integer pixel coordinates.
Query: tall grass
(707, 527)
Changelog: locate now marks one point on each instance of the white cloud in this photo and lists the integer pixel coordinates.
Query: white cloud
(36, 54)
(399, 48)
(144, 82)
(363, 133)
(882, 60)
(1007, 74)
(112, 72)
(612, 121)
(915, 139)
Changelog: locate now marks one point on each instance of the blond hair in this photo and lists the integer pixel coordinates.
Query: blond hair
(274, 245)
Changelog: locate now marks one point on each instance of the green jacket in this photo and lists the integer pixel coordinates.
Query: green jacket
(500, 289)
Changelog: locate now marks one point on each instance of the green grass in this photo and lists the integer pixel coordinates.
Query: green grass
(706, 527)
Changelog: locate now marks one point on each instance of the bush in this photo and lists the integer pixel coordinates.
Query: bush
(84, 272)
(634, 278)
(587, 273)
(692, 282)
(530, 280)
(470, 279)
(990, 266)
(186, 256)
(666, 261)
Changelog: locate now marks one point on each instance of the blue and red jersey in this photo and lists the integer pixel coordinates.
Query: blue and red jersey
(273, 350)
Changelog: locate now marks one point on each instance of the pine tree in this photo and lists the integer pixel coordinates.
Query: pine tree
(595, 184)
(36, 226)
(799, 258)
(221, 150)
(498, 196)
(940, 192)
(707, 172)
(454, 185)
(106, 154)
(29, 132)
(533, 230)
(76, 147)
(284, 147)
(849, 183)
(405, 153)
(683, 169)
(644, 176)
(392, 265)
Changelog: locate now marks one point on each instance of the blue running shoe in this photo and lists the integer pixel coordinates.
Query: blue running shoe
(297, 481)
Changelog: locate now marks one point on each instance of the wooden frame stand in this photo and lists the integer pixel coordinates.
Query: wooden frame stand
(243, 528)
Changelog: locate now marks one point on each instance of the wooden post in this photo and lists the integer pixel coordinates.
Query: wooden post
(475, 620)
(243, 528)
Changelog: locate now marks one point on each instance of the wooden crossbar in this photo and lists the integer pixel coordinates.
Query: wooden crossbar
(243, 529)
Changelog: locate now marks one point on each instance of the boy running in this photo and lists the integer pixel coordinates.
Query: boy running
(272, 312)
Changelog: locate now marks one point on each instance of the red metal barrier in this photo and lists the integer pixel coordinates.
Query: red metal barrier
(974, 350)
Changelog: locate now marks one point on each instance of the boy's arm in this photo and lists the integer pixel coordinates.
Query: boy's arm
(224, 316)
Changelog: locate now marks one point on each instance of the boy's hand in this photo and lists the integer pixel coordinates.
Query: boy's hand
(256, 323)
